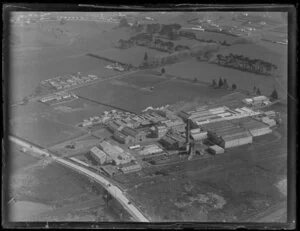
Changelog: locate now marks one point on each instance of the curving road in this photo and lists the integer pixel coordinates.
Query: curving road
(116, 192)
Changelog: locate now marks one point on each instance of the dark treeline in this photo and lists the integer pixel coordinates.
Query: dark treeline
(243, 63)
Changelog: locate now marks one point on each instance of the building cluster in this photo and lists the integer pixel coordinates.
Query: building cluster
(206, 115)
(257, 101)
(150, 149)
(219, 127)
(59, 97)
(116, 66)
(67, 81)
(107, 154)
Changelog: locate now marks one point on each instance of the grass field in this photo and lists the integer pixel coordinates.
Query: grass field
(135, 98)
(39, 187)
(41, 55)
(231, 187)
(207, 72)
(133, 55)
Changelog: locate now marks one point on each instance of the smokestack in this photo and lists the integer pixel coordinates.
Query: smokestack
(187, 134)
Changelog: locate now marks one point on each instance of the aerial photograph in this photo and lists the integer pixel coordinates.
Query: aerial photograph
(153, 116)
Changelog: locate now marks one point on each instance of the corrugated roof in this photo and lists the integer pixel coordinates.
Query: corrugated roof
(237, 136)
(216, 148)
(99, 153)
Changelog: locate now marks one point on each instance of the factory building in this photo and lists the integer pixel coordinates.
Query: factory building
(234, 140)
(139, 135)
(258, 100)
(150, 149)
(215, 149)
(169, 143)
(99, 156)
(131, 168)
(131, 136)
(227, 135)
(160, 130)
(112, 126)
(153, 117)
(198, 135)
(255, 127)
(268, 121)
(125, 139)
(116, 153)
(175, 125)
(180, 139)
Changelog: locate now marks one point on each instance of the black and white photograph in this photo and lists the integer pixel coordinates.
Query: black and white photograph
(148, 116)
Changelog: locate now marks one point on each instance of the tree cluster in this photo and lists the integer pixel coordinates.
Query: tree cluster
(246, 64)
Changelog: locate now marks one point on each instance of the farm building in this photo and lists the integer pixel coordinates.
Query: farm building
(255, 127)
(215, 149)
(131, 168)
(99, 156)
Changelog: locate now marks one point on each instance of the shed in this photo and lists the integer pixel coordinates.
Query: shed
(215, 149)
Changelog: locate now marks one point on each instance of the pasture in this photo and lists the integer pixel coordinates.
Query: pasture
(133, 55)
(206, 72)
(135, 98)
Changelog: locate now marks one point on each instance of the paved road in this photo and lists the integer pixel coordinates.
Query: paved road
(110, 187)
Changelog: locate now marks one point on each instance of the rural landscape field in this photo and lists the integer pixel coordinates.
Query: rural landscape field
(148, 116)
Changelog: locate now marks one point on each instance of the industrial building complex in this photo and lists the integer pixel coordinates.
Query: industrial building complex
(156, 134)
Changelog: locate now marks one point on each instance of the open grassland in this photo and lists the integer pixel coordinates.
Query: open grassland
(36, 123)
(45, 191)
(207, 72)
(135, 98)
(231, 187)
(43, 52)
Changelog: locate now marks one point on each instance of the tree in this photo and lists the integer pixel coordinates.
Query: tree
(220, 82)
(225, 84)
(163, 70)
(274, 95)
(214, 83)
(123, 22)
(258, 92)
(146, 57)
(233, 87)
(254, 89)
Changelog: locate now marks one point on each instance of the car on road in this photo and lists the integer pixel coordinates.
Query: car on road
(129, 202)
